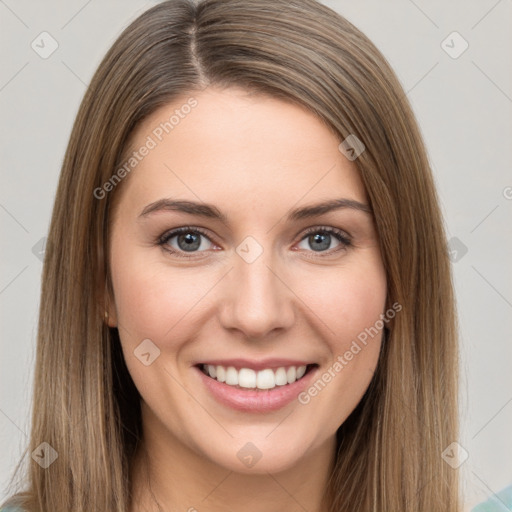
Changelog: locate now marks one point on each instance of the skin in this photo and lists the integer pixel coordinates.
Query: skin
(255, 158)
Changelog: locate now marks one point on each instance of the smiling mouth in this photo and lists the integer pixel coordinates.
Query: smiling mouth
(247, 378)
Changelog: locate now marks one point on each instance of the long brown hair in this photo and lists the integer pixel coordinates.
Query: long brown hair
(85, 404)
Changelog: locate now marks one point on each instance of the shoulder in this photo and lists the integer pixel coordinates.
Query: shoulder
(12, 507)
(499, 502)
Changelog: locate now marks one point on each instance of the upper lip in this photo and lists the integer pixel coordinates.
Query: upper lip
(273, 363)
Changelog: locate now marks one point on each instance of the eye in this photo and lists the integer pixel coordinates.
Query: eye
(181, 241)
(319, 239)
(185, 240)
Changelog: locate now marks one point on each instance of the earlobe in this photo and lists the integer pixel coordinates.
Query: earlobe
(110, 318)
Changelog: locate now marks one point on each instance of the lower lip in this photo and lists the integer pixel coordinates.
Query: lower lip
(253, 400)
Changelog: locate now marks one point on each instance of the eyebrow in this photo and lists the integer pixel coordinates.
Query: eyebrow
(212, 212)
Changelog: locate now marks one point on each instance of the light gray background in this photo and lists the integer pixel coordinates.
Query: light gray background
(464, 108)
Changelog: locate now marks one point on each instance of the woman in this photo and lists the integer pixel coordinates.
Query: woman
(247, 301)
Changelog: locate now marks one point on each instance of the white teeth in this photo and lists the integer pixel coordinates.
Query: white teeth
(221, 374)
(248, 378)
(301, 370)
(231, 376)
(291, 374)
(281, 379)
(266, 379)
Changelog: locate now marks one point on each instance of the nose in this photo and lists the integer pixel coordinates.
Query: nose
(256, 299)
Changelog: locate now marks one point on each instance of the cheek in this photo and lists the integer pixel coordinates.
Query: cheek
(350, 307)
(153, 301)
(360, 306)
(347, 300)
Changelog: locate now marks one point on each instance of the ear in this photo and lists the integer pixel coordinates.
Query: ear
(105, 289)
(390, 313)
(109, 305)
(111, 315)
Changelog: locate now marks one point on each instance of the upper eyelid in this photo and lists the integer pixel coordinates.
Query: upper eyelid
(314, 229)
(171, 233)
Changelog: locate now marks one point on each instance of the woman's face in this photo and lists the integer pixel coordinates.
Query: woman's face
(258, 280)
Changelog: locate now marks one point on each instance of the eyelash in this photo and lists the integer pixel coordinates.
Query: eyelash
(341, 236)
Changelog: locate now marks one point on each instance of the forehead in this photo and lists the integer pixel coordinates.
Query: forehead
(238, 150)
